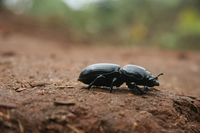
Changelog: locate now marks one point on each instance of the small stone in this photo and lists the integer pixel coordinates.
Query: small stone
(67, 103)
(20, 89)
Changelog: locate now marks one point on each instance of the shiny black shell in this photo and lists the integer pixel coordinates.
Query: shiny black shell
(137, 74)
(108, 70)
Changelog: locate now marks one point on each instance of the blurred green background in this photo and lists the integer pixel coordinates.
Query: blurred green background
(156, 23)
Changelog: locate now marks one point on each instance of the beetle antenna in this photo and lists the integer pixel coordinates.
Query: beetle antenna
(159, 75)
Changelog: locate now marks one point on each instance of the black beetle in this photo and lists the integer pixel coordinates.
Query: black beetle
(109, 75)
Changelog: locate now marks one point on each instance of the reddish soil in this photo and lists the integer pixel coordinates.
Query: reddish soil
(39, 91)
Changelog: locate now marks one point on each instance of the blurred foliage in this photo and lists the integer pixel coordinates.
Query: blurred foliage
(160, 23)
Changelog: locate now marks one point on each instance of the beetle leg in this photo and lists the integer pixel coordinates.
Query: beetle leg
(146, 88)
(111, 86)
(133, 85)
(140, 90)
(98, 77)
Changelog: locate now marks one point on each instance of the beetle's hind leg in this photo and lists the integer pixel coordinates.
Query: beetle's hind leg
(93, 82)
(111, 86)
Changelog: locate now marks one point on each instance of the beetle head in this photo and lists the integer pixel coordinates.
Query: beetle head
(154, 80)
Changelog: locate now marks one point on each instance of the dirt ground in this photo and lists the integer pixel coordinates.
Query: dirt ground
(39, 91)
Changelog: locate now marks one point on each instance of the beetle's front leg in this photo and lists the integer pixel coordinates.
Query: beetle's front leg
(133, 85)
(146, 88)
